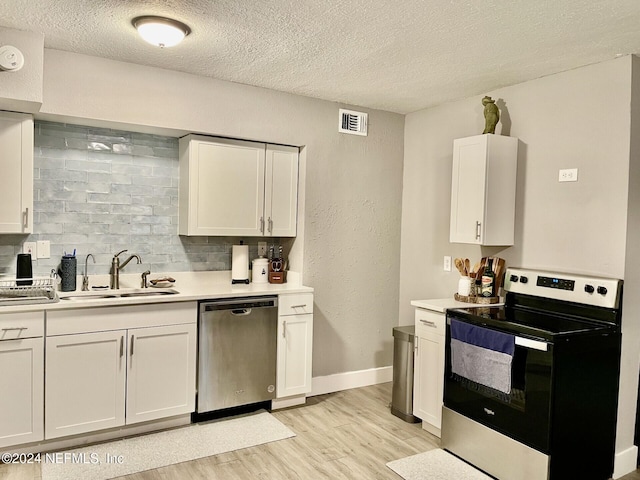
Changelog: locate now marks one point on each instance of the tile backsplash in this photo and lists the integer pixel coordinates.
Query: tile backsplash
(101, 191)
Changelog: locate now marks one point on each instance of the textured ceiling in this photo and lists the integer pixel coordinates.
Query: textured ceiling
(393, 55)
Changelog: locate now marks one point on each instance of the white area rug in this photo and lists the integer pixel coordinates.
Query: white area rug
(435, 465)
(123, 457)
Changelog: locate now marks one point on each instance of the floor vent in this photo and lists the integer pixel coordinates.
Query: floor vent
(354, 123)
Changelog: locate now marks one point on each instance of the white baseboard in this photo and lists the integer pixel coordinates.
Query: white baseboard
(625, 462)
(347, 380)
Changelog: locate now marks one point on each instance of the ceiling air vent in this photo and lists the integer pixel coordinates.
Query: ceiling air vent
(352, 122)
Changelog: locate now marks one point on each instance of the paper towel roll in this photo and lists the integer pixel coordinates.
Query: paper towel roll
(240, 264)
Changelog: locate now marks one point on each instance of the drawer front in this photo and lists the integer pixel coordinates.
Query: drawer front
(102, 319)
(21, 325)
(432, 321)
(295, 304)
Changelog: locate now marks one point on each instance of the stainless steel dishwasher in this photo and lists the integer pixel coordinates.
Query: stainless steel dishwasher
(236, 352)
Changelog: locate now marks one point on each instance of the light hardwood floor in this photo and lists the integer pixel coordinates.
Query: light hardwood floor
(344, 435)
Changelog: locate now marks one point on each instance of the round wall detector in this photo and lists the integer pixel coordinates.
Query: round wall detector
(11, 59)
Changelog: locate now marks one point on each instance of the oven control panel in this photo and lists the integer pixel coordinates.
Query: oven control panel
(555, 282)
(597, 291)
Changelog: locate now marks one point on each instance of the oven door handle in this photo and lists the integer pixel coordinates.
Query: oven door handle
(534, 344)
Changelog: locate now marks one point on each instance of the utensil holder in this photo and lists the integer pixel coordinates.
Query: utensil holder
(68, 268)
(278, 277)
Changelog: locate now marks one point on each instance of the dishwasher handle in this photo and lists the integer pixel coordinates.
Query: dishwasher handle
(241, 311)
(239, 304)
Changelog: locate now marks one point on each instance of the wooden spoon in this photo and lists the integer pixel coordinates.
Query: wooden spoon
(459, 265)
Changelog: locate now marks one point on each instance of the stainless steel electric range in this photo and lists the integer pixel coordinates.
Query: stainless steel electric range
(531, 387)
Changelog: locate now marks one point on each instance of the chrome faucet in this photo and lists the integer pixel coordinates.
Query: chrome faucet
(116, 266)
(85, 277)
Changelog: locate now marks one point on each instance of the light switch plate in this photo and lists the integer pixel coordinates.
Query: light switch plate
(262, 249)
(447, 263)
(44, 249)
(29, 247)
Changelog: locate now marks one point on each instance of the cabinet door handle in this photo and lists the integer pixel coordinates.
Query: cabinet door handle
(478, 225)
(429, 323)
(270, 225)
(121, 346)
(262, 225)
(132, 337)
(26, 218)
(298, 306)
(14, 328)
(284, 329)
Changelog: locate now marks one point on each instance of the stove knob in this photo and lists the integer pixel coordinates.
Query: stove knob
(602, 290)
(589, 288)
(523, 279)
(513, 278)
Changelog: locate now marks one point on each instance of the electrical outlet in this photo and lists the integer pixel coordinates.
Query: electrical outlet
(447, 263)
(262, 249)
(44, 249)
(29, 247)
(568, 175)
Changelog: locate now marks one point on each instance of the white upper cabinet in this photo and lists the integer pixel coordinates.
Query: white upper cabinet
(281, 191)
(483, 190)
(237, 188)
(16, 182)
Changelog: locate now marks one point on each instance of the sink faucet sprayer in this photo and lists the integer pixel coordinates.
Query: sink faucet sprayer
(116, 267)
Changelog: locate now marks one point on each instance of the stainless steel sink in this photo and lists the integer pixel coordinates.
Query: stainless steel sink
(76, 298)
(149, 293)
(125, 293)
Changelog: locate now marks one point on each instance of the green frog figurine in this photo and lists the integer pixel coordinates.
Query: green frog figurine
(491, 115)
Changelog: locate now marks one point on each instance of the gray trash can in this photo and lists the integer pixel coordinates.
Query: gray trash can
(402, 391)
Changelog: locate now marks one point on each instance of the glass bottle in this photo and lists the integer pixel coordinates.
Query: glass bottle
(488, 280)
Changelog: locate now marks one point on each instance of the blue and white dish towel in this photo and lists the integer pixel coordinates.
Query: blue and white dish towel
(481, 355)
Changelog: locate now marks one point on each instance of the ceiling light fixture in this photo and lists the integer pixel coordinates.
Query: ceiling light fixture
(160, 31)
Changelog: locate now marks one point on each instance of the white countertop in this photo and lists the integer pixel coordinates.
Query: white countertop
(192, 286)
(441, 304)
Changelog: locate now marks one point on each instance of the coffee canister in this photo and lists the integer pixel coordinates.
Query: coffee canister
(260, 270)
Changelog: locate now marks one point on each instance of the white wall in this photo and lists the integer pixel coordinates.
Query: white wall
(21, 90)
(350, 232)
(576, 119)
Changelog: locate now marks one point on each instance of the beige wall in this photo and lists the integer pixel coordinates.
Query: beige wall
(576, 119)
(349, 246)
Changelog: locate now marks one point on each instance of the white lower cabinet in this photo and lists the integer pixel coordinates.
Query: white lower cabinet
(295, 344)
(22, 391)
(161, 372)
(85, 387)
(428, 374)
(105, 379)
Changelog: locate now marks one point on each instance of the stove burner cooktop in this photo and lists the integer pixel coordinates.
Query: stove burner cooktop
(514, 320)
